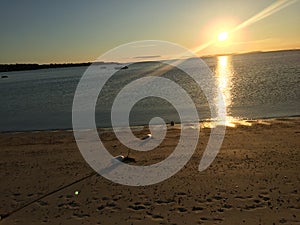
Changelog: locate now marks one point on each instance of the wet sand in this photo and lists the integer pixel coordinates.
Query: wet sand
(254, 179)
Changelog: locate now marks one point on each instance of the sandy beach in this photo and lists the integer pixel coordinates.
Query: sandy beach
(254, 180)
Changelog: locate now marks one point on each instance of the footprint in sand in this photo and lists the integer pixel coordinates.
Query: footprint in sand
(137, 206)
(112, 206)
(244, 197)
(157, 217)
(253, 206)
(42, 203)
(197, 209)
(164, 202)
(203, 220)
(182, 210)
(81, 215)
(69, 205)
(264, 197)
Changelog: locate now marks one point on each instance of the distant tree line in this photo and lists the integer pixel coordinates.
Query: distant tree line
(19, 67)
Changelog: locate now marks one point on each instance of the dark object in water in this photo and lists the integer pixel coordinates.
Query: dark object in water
(124, 68)
(4, 76)
(172, 123)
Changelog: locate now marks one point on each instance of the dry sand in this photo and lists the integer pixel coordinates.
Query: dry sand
(255, 179)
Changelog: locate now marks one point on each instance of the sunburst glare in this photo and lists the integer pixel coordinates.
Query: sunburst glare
(223, 36)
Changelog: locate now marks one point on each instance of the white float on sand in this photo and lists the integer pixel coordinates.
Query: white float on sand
(120, 158)
(147, 137)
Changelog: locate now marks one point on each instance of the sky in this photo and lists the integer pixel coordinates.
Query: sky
(79, 31)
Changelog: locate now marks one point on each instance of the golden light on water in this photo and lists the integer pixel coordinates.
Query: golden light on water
(224, 73)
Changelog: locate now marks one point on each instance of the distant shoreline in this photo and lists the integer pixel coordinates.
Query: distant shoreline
(250, 53)
(36, 66)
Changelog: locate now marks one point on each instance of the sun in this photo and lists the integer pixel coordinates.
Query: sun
(223, 36)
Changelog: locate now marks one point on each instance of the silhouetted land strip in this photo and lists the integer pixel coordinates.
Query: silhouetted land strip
(20, 67)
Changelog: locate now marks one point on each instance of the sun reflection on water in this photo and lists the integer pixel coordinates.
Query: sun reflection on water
(224, 73)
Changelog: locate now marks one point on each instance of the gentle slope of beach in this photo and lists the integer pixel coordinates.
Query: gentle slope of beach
(254, 180)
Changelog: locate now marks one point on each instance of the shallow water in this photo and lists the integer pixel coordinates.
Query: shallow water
(260, 85)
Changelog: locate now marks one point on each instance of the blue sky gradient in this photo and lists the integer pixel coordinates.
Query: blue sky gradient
(79, 31)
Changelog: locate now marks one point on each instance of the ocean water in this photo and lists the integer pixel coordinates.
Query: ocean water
(257, 85)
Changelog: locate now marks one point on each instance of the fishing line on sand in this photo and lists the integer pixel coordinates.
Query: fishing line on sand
(4, 216)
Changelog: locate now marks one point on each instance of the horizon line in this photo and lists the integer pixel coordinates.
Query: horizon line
(202, 56)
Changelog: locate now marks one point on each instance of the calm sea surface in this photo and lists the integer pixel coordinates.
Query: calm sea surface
(260, 85)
